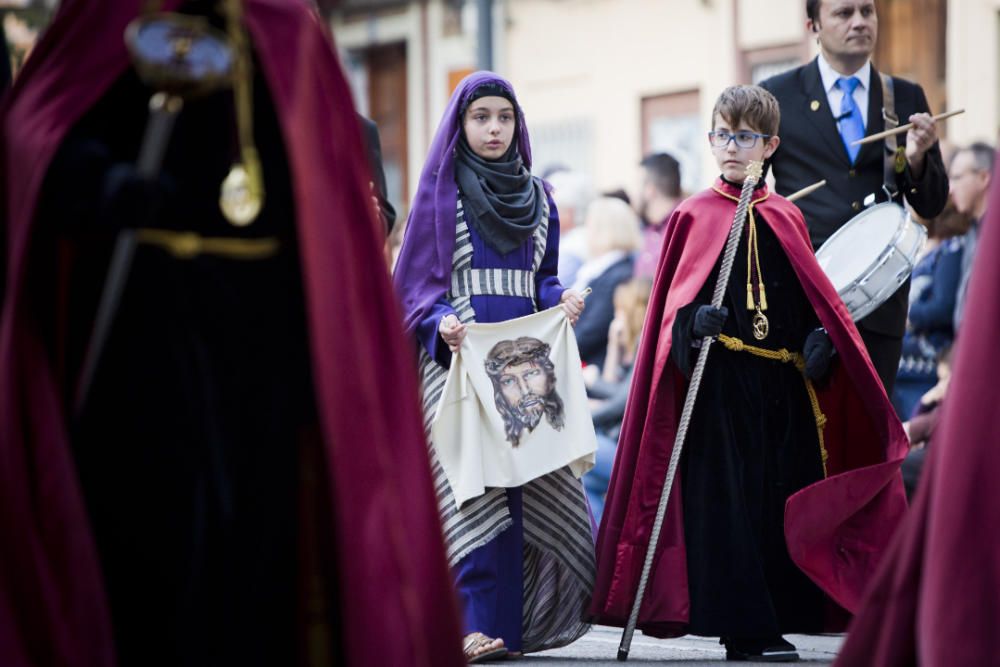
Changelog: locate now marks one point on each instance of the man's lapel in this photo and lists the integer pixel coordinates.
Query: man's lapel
(817, 110)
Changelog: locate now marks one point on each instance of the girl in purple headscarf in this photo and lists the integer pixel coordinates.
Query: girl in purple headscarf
(481, 245)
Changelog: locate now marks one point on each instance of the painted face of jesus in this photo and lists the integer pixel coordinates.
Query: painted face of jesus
(524, 387)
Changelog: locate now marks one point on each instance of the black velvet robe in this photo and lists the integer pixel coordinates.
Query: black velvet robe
(751, 443)
(188, 450)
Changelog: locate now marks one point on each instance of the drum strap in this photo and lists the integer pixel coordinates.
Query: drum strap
(895, 155)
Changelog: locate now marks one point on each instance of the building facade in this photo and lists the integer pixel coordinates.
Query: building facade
(604, 82)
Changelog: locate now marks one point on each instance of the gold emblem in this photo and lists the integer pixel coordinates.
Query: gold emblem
(241, 197)
(814, 105)
(900, 164)
(760, 325)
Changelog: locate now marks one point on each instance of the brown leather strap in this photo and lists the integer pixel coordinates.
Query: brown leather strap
(895, 155)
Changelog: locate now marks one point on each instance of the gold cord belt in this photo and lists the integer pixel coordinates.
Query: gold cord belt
(188, 245)
(786, 357)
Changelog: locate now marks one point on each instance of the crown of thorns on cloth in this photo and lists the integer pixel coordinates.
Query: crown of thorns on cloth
(524, 349)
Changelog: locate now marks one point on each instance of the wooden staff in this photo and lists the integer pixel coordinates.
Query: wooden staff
(753, 174)
(903, 128)
(799, 194)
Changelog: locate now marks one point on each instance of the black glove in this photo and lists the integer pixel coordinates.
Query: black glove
(130, 199)
(818, 350)
(708, 321)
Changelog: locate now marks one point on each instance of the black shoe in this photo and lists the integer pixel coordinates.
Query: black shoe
(760, 650)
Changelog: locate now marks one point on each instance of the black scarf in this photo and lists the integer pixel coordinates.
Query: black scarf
(500, 198)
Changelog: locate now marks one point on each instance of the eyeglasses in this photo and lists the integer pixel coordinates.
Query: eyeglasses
(743, 139)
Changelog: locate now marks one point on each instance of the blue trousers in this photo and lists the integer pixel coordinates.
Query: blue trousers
(490, 582)
(596, 481)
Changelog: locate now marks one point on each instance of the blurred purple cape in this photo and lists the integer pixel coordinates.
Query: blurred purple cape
(423, 270)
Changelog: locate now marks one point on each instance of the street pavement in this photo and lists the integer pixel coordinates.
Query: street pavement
(599, 648)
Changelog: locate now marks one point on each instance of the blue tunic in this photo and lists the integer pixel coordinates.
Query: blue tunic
(548, 289)
(490, 579)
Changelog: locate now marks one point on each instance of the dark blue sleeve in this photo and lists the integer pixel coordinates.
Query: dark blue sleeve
(592, 328)
(427, 332)
(929, 193)
(936, 311)
(547, 286)
(612, 411)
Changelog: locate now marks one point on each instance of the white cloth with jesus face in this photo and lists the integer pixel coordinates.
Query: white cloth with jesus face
(514, 406)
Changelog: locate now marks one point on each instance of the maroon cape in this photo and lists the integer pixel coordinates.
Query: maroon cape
(836, 529)
(398, 606)
(936, 598)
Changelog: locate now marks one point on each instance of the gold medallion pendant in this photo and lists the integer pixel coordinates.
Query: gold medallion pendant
(240, 198)
(760, 325)
(242, 193)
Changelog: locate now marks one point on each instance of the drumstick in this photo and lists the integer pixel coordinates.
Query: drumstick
(903, 128)
(799, 194)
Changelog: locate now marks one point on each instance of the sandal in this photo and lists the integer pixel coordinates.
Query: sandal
(476, 640)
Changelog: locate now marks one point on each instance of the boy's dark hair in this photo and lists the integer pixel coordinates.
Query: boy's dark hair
(750, 104)
(664, 171)
(812, 9)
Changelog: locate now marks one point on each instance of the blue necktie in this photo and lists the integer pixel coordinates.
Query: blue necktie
(852, 126)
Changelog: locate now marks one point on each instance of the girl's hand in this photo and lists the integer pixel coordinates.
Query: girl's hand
(452, 332)
(572, 304)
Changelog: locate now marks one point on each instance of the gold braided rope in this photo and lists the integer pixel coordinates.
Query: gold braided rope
(751, 252)
(242, 193)
(786, 357)
(189, 245)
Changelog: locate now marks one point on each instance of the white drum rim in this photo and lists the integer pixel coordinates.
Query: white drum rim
(891, 248)
(844, 228)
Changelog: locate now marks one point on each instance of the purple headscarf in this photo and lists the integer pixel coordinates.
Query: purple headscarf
(423, 270)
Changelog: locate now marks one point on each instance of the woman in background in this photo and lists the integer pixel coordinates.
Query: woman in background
(612, 233)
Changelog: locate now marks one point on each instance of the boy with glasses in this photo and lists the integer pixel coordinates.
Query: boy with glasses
(757, 541)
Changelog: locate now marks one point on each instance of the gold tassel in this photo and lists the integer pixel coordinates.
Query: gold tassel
(750, 305)
(763, 297)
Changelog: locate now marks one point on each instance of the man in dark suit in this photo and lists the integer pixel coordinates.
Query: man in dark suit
(374, 149)
(827, 104)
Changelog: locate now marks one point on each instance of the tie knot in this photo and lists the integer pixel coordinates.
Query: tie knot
(848, 84)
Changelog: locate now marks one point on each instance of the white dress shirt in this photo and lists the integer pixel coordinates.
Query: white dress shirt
(835, 95)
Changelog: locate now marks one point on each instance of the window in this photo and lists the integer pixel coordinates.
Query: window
(672, 123)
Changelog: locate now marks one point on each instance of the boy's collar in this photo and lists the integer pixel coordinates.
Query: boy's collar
(727, 186)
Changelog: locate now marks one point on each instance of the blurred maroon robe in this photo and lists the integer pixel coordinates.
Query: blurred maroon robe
(936, 598)
(397, 605)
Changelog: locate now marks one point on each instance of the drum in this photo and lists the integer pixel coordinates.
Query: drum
(871, 256)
